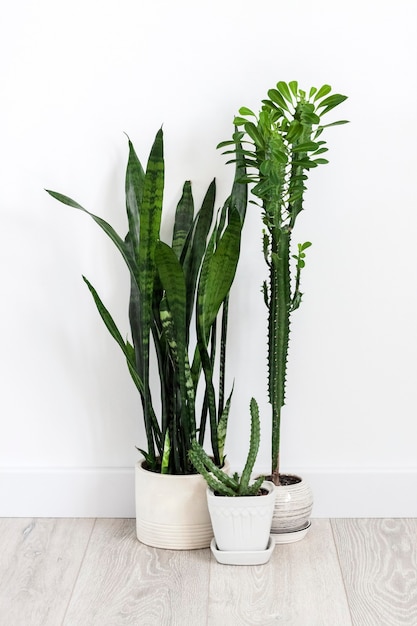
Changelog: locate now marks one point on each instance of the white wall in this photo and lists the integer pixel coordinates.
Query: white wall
(76, 75)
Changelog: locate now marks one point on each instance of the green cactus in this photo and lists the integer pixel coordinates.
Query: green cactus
(279, 147)
(219, 481)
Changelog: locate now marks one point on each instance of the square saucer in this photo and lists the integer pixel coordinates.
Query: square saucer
(256, 557)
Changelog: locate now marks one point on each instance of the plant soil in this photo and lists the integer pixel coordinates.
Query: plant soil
(286, 479)
(261, 492)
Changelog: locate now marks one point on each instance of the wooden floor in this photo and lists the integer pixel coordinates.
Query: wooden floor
(82, 572)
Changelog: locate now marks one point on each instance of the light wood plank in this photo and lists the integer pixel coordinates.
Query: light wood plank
(124, 582)
(39, 563)
(300, 586)
(378, 558)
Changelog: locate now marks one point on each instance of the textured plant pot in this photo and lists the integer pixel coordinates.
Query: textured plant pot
(242, 523)
(171, 511)
(293, 506)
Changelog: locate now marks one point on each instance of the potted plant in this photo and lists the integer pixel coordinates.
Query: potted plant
(171, 284)
(240, 510)
(279, 147)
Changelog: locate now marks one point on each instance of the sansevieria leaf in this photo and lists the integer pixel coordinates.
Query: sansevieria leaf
(183, 219)
(150, 212)
(107, 228)
(195, 246)
(172, 279)
(220, 273)
(134, 194)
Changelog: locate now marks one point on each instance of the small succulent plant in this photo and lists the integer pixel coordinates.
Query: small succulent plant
(220, 482)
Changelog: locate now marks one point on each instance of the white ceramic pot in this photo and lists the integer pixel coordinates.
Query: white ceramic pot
(242, 523)
(292, 511)
(171, 510)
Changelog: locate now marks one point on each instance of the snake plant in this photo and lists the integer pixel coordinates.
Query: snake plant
(220, 482)
(169, 282)
(279, 147)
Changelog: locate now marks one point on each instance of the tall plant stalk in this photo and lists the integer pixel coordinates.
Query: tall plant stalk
(279, 147)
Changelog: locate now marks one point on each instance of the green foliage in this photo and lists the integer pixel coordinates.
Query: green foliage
(167, 283)
(279, 147)
(219, 481)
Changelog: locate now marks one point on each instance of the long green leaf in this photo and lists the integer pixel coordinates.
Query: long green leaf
(127, 252)
(115, 333)
(150, 212)
(166, 454)
(134, 182)
(150, 215)
(239, 195)
(220, 273)
(182, 422)
(277, 98)
(183, 219)
(124, 249)
(237, 201)
(293, 85)
(323, 91)
(254, 134)
(339, 123)
(222, 427)
(136, 328)
(331, 102)
(283, 89)
(195, 246)
(172, 279)
(216, 278)
(199, 455)
(202, 357)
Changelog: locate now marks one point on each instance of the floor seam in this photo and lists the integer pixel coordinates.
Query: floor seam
(78, 573)
(341, 571)
(211, 561)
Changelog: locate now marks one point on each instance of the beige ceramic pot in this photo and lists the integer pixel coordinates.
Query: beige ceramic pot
(171, 511)
(293, 506)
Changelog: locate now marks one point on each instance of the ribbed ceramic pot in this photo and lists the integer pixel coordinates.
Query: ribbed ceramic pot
(242, 523)
(171, 510)
(293, 506)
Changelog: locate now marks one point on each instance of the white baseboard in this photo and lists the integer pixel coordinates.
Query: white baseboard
(109, 492)
(69, 492)
(364, 493)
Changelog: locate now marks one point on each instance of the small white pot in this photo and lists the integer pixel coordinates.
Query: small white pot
(242, 523)
(171, 510)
